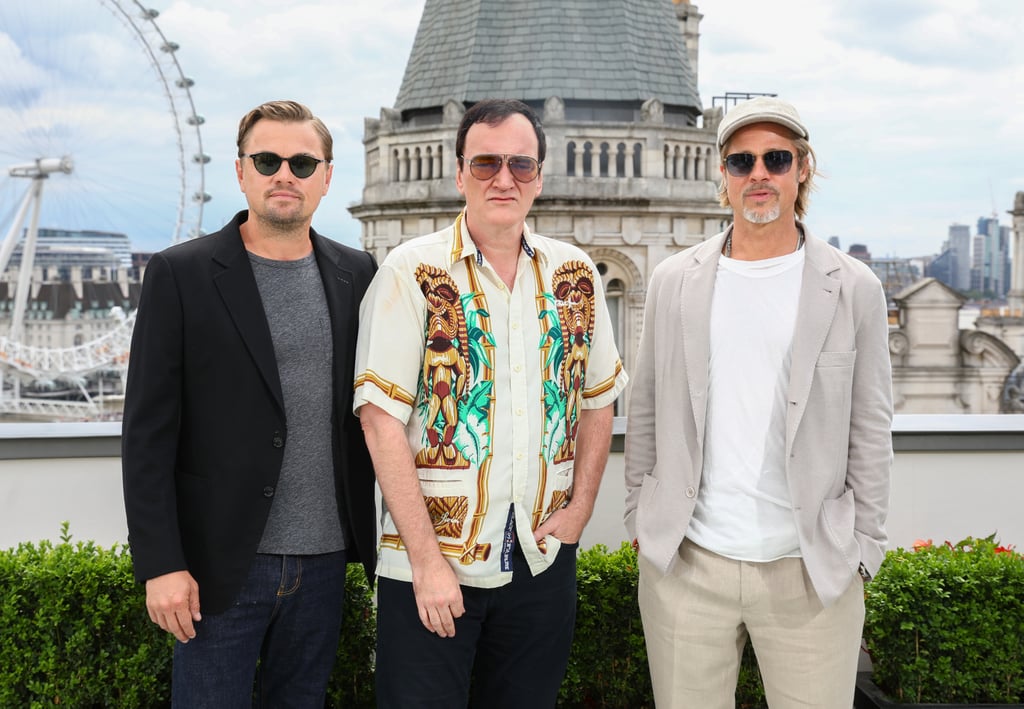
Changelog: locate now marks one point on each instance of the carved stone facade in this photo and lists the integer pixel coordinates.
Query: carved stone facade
(939, 368)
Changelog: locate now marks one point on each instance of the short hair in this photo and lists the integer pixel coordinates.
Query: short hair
(285, 112)
(804, 155)
(493, 111)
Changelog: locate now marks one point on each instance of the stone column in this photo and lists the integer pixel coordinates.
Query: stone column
(1015, 298)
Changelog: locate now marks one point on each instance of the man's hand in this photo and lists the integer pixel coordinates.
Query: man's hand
(566, 524)
(173, 603)
(438, 597)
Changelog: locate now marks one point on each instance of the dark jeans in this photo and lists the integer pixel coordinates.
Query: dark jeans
(512, 644)
(288, 617)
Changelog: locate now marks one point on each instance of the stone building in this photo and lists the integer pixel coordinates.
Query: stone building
(632, 166)
(938, 368)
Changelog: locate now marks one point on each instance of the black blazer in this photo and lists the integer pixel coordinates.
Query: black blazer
(204, 424)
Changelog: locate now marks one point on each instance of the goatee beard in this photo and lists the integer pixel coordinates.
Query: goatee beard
(755, 216)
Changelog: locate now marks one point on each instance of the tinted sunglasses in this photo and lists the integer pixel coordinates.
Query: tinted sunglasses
(776, 162)
(267, 164)
(523, 167)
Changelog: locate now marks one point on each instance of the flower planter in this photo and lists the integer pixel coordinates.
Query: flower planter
(869, 696)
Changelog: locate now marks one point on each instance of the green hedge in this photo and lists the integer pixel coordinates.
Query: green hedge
(74, 632)
(945, 624)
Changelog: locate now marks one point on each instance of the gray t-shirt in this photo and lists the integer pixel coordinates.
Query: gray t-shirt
(304, 515)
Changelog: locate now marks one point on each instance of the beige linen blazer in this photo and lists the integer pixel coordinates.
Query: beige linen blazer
(838, 422)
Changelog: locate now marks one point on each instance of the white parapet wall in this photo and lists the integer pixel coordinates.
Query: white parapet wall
(954, 476)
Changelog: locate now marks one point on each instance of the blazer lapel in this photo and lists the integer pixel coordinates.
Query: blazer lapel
(237, 287)
(819, 296)
(695, 331)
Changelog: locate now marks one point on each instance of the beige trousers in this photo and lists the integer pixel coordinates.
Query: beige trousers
(698, 616)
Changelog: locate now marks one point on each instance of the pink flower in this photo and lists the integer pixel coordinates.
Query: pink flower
(920, 544)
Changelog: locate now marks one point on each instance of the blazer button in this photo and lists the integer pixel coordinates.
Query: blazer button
(278, 441)
(691, 492)
(268, 491)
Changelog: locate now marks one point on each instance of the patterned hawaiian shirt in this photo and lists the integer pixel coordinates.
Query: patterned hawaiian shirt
(490, 384)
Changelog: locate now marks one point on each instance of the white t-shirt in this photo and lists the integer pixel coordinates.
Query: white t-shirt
(743, 508)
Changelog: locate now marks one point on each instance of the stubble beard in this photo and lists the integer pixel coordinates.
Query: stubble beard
(282, 221)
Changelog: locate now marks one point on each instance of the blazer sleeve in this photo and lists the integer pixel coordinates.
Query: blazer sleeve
(870, 455)
(150, 428)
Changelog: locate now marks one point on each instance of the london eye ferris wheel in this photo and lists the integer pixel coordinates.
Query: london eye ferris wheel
(100, 135)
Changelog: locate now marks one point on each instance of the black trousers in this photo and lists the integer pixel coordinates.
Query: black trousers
(510, 648)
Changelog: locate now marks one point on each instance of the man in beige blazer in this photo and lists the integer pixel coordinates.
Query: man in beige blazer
(758, 451)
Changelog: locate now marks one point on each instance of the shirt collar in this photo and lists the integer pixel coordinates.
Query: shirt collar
(464, 247)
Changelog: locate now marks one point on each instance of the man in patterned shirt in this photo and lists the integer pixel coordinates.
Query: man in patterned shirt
(485, 376)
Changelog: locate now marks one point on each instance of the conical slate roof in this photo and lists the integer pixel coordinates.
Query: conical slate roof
(583, 50)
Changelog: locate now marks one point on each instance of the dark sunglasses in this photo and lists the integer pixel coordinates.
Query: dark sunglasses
(267, 164)
(776, 162)
(523, 167)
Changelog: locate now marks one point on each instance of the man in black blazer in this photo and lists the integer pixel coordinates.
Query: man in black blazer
(246, 478)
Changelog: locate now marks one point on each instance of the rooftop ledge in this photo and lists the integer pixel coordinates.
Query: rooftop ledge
(953, 476)
(911, 432)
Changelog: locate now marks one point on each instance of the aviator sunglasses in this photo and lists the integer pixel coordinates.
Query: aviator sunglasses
(523, 167)
(267, 164)
(776, 162)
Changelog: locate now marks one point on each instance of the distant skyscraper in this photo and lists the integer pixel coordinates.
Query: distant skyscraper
(991, 256)
(959, 246)
(834, 241)
(943, 268)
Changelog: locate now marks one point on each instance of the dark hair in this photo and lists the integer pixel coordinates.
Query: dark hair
(493, 111)
(285, 112)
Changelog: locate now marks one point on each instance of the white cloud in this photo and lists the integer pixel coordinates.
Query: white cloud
(913, 106)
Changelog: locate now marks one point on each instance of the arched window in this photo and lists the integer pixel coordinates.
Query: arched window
(615, 297)
(620, 160)
(638, 160)
(588, 159)
(603, 160)
(403, 172)
(570, 159)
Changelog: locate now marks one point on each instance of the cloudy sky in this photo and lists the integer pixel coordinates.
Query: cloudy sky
(915, 107)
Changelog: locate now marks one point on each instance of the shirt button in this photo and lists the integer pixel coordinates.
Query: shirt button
(268, 491)
(517, 368)
(515, 325)
(519, 456)
(519, 412)
(691, 492)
